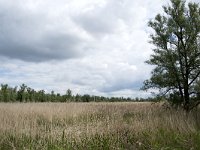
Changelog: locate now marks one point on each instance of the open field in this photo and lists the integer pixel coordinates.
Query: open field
(96, 126)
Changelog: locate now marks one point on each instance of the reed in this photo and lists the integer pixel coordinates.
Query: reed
(97, 126)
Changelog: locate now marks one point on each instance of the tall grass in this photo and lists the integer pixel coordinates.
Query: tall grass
(97, 126)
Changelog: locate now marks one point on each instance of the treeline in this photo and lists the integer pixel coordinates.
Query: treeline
(24, 93)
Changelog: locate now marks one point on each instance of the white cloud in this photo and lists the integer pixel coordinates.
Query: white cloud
(96, 47)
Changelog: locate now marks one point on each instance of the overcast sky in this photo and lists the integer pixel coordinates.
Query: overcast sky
(90, 46)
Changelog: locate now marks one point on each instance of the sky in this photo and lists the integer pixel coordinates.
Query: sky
(95, 47)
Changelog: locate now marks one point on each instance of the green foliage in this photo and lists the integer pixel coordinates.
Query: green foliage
(176, 55)
(27, 94)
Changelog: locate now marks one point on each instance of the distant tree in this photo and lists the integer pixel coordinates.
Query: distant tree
(41, 95)
(69, 95)
(30, 93)
(137, 99)
(24, 93)
(59, 98)
(12, 94)
(176, 54)
(86, 98)
(77, 98)
(21, 94)
(4, 92)
(53, 96)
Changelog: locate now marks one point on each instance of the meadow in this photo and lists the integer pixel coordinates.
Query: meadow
(96, 126)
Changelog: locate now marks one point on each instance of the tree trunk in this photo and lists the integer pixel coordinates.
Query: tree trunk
(187, 99)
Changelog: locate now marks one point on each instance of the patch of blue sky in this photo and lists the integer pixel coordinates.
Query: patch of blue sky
(4, 72)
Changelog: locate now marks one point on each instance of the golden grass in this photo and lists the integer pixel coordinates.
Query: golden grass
(75, 120)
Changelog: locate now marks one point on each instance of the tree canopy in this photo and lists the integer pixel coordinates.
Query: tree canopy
(176, 54)
(23, 93)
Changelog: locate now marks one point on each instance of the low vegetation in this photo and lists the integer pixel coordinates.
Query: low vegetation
(23, 93)
(97, 126)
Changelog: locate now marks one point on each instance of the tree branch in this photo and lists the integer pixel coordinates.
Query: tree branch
(197, 75)
(195, 105)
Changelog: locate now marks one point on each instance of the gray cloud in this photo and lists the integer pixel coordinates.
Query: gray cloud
(108, 37)
(105, 18)
(33, 36)
(52, 47)
(108, 17)
(95, 21)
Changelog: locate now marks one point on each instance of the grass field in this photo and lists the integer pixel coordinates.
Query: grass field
(88, 126)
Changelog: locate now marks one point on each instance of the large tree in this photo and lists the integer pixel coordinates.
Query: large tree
(176, 53)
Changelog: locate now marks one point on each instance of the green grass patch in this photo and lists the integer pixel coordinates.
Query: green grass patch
(159, 140)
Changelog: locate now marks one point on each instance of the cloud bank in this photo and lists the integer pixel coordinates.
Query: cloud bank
(95, 47)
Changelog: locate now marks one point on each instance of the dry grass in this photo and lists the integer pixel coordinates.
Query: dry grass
(95, 126)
